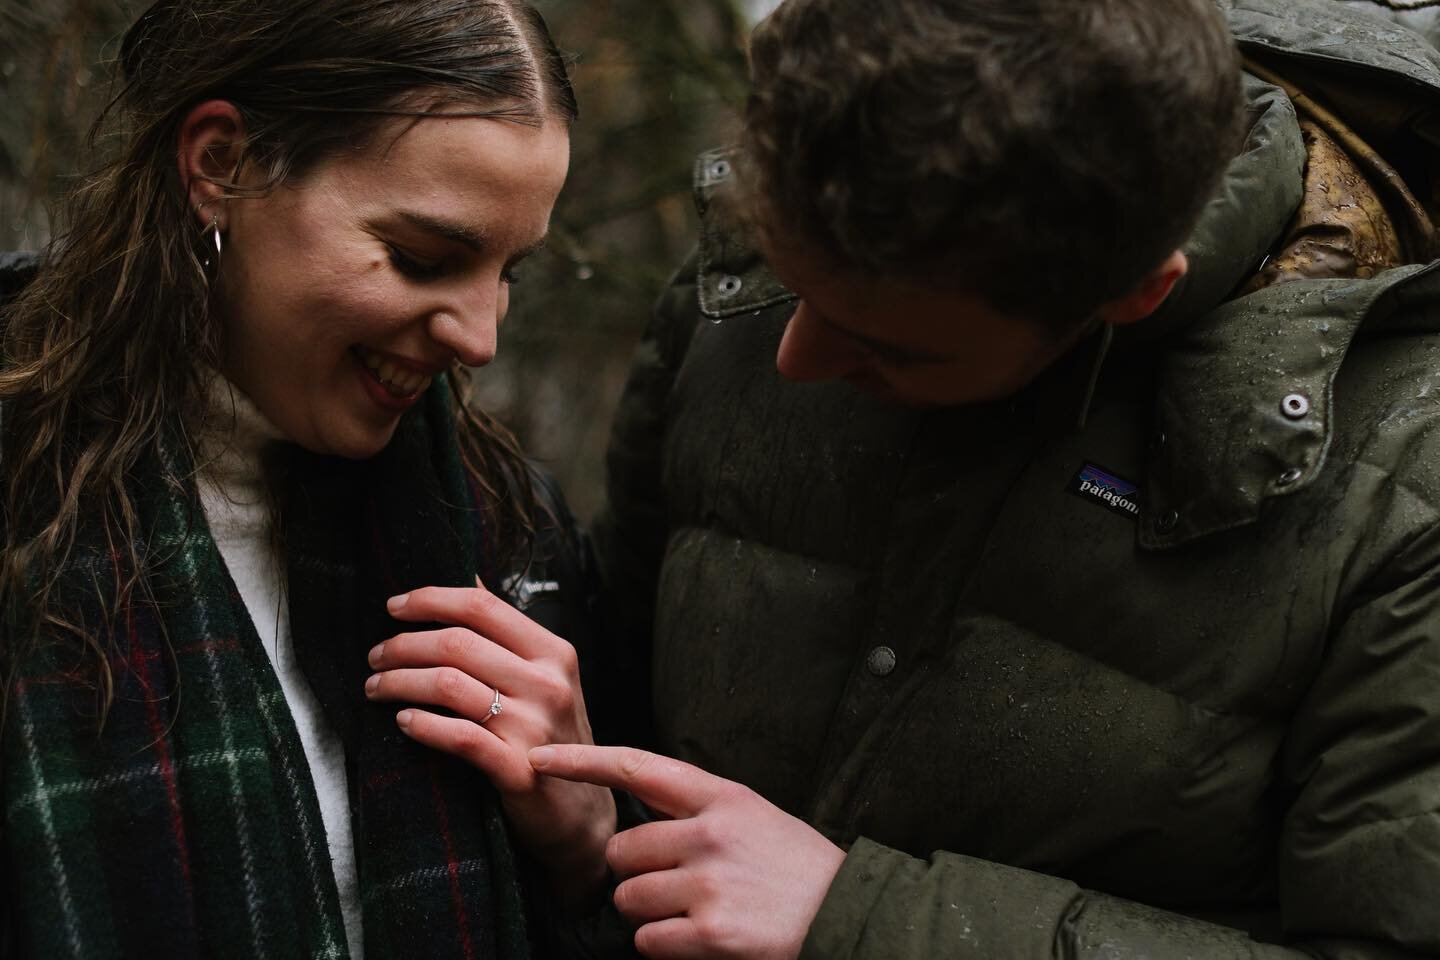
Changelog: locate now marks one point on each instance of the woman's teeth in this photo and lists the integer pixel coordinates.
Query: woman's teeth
(396, 380)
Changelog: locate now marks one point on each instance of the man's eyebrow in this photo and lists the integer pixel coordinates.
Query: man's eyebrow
(884, 350)
(462, 234)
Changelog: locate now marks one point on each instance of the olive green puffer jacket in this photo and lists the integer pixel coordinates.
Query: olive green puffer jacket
(1167, 685)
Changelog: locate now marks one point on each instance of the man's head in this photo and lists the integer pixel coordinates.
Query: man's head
(958, 189)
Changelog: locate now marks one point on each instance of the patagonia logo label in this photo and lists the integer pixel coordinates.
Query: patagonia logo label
(1105, 488)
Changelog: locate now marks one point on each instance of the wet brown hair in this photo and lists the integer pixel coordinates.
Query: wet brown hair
(1045, 154)
(105, 353)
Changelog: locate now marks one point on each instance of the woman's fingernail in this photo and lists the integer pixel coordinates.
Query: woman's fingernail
(376, 653)
(542, 757)
(372, 685)
(396, 604)
(403, 718)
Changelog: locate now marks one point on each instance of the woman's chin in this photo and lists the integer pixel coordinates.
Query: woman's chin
(362, 446)
(353, 441)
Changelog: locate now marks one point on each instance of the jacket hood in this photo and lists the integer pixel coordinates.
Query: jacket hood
(1244, 220)
(1244, 407)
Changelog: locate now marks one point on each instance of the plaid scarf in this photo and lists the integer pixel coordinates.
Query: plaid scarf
(189, 827)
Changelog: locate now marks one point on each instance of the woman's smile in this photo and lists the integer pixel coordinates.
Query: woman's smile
(393, 382)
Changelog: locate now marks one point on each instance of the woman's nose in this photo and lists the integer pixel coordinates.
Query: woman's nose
(470, 332)
(811, 350)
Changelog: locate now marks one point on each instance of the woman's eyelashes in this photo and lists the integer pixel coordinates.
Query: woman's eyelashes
(416, 268)
(422, 269)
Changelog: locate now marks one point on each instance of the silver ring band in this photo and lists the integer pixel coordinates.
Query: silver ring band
(496, 708)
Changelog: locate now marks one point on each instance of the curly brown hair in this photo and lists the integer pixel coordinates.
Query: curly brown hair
(105, 353)
(1045, 154)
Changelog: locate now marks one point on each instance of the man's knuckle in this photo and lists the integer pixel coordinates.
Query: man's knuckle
(647, 944)
(707, 834)
(712, 928)
(625, 897)
(633, 763)
(615, 849)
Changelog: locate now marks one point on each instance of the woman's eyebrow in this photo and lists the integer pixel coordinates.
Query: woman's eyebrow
(460, 233)
(449, 229)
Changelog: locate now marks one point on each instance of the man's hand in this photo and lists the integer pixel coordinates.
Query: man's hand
(494, 646)
(730, 875)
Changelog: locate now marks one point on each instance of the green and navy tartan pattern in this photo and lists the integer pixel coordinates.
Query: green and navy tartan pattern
(188, 826)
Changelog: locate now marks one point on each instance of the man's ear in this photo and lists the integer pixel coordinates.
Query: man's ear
(1147, 296)
(211, 144)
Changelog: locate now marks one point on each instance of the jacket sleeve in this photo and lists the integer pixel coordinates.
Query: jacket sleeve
(632, 529)
(1359, 864)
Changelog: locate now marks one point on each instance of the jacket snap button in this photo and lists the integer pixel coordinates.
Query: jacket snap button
(1157, 441)
(720, 170)
(1295, 406)
(1290, 476)
(729, 286)
(881, 661)
(1168, 521)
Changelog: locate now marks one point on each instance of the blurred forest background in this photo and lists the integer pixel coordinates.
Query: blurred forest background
(658, 81)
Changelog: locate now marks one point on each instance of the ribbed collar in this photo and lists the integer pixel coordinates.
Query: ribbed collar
(233, 441)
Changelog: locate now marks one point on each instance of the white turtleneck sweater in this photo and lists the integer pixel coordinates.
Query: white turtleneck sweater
(237, 508)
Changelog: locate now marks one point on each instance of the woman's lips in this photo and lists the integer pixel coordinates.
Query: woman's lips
(398, 381)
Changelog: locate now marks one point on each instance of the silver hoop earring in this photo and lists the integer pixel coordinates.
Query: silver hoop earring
(212, 263)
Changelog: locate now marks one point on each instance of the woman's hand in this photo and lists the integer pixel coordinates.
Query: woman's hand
(492, 646)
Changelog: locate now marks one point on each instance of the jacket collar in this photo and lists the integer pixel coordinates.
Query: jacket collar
(1244, 410)
(733, 277)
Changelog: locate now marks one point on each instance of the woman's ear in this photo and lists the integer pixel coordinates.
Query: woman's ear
(210, 149)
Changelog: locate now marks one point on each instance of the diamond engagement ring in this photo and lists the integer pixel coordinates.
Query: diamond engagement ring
(495, 710)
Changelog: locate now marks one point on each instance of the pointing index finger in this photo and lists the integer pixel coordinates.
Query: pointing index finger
(671, 787)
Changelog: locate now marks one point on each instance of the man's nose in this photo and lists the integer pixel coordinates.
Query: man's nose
(470, 330)
(812, 350)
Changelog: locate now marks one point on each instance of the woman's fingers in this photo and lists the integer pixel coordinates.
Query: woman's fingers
(455, 647)
(437, 686)
(546, 685)
(471, 743)
(483, 612)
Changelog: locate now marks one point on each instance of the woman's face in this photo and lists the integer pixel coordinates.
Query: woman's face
(346, 293)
